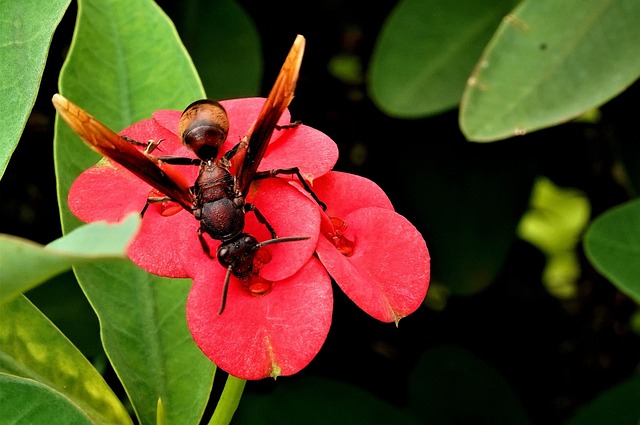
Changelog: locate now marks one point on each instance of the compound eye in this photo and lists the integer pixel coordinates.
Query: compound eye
(223, 253)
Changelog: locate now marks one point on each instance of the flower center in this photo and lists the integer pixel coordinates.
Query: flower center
(255, 284)
(344, 245)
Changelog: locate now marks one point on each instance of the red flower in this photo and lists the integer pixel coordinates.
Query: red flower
(274, 323)
(375, 255)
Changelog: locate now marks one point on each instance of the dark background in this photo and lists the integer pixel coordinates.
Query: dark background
(556, 354)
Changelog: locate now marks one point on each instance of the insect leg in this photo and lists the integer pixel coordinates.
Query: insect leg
(179, 160)
(225, 289)
(291, 171)
(261, 218)
(203, 242)
(288, 126)
(149, 146)
(152, 145)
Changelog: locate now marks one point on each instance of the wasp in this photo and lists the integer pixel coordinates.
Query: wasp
(217, 198)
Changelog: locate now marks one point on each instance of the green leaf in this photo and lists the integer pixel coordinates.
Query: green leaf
(469, 199)
(549, 62)
(145, 335)
(619, 405)
(27, 29)
(32, 348)
(224, 45)
(448, 378)
(426, 51)
(311, 400)
(26, 264)
(61, 299)
(612, 245)
(125, 62)
(26, 401)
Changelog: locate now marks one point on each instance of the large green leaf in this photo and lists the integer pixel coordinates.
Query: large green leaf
(619, 405)
(125, 62)
(32, 348)
(217, 34)
(549, 62)
(612, 244)
(310, 400)
(451, 386)
(145, 335)
(26, 401)
(469, 199)
(426, 51)
(26, 264)
(25, 35)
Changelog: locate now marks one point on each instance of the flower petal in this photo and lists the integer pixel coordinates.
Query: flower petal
(256, 337)
(291, 214)
(168, 119)
(156, 247)
(312, 151)
(388, 274)
(344, 193)
(107, 192)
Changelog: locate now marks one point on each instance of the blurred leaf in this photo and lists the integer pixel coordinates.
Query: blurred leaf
(426, 52)
(554, 224)
(313, 400)
(61, 299)
(125, 62)
(612, 245)
(469, 199)
(26, 264)
(26, 401)
(27, 29)
(145, 335)
(224, 45)
(32, 348)
(137, 65)
(549, 62)
(347, 68)
(619, 405)
(451, 386)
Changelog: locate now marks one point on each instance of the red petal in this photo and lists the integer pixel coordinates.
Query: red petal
(157, 245)
(304, 147)
(257, 337)
(168, 119)
(291, 214)
(344, 193)
(388, 274)
(107, 192)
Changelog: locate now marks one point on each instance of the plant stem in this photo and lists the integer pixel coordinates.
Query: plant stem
(228, 402)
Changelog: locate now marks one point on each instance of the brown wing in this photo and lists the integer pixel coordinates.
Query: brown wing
(104, 141)
(275, 105)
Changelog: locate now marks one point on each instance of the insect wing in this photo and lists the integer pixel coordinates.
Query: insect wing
(279, 98)
(104, 141)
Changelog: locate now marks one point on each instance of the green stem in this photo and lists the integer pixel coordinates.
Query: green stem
(228, 402)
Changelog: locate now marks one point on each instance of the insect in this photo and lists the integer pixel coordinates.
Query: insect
(217, 199)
